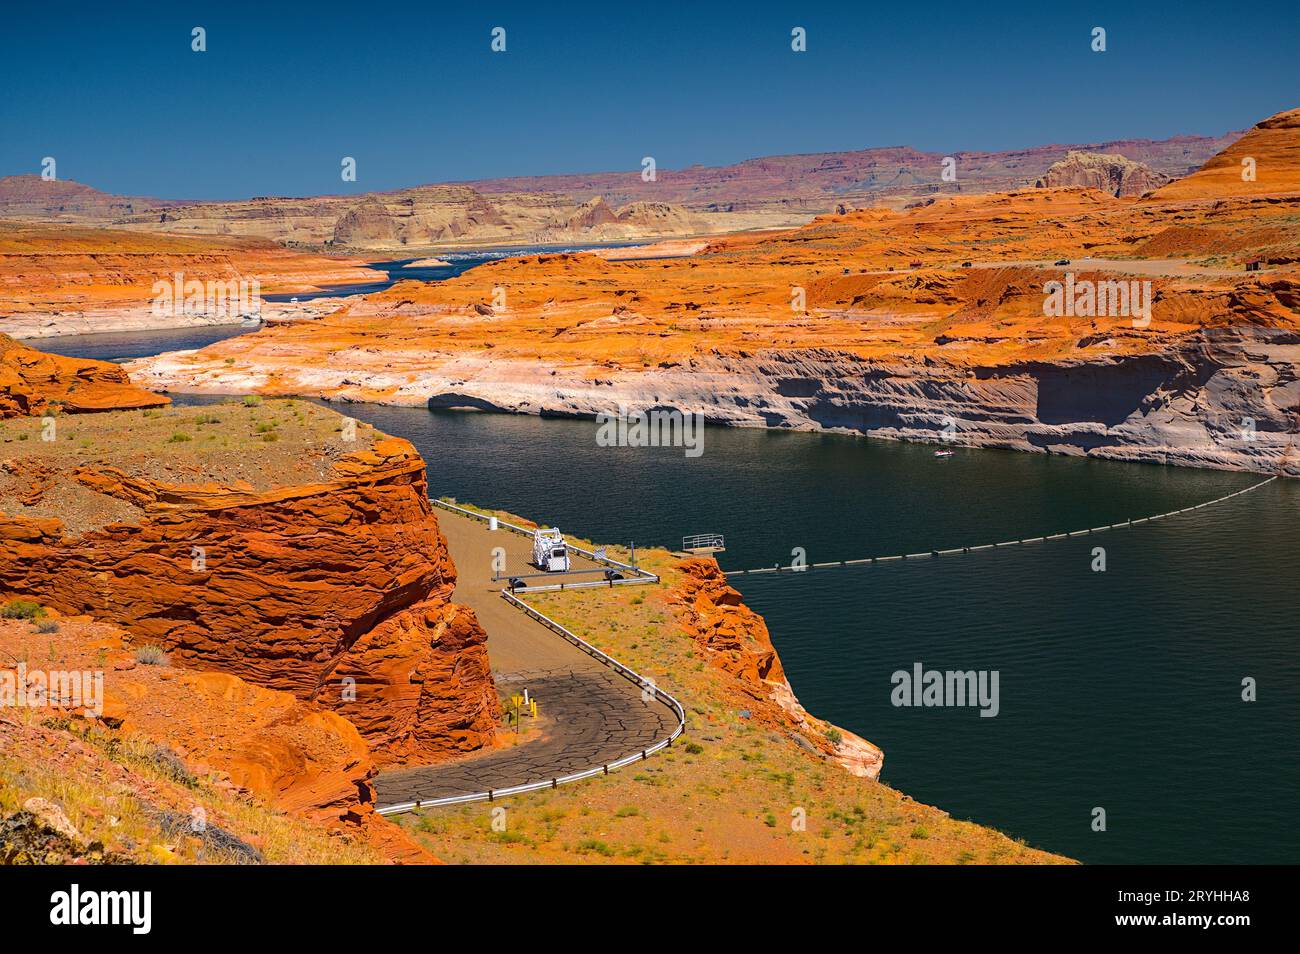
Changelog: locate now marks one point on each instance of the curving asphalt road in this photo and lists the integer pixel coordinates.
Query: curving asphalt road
(590, 715)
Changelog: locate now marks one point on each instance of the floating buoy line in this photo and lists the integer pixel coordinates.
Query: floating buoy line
(959, 551)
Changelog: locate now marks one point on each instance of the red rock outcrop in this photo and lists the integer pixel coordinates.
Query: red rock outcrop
(260, 742)
(34, 383)
(734, 639)
(337, 592)
(1112, 174)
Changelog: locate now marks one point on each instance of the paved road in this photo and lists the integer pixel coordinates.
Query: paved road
(590, 715)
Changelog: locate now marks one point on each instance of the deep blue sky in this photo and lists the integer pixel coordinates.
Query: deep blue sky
(114, 93)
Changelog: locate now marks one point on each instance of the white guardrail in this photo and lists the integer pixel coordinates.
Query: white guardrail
(647, 687)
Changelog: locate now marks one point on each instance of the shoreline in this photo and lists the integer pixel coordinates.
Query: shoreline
(719, 393)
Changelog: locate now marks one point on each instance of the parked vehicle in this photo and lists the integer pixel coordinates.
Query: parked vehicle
(1062, 261)
(550, 553)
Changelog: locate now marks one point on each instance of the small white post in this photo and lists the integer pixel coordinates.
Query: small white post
(492, 523)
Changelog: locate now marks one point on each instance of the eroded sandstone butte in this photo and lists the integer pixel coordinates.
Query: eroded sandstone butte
(35, 383)
(904, 324)
(261, 542)
(64, 279)
(1109, 173)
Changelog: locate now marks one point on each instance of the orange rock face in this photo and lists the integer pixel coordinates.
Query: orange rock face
(75, 280)
(880, 321)
(34, 383)
(1266, 161)
(261, 741)
(336, 592)
(734, 639)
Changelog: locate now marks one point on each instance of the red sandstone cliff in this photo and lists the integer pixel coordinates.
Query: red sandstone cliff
(337, 592)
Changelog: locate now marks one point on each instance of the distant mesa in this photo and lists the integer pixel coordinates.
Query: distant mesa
(593, 207)
(1106, 172)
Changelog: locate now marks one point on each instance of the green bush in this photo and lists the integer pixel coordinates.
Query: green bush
(178, 438)
(22, 609)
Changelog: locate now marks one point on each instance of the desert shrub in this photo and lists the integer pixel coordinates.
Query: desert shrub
(47, 626)
(22, 609)
(166, 761)
(151, 654)
(252, 400)
(178, 438)
(834, 736)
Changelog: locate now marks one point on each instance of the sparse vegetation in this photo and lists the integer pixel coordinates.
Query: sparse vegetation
(151, 654)
(22, 609)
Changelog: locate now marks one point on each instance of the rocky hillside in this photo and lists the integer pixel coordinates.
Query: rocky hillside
(1264, 162)
(817, 182)
(1112, 174)
(61, 279)
(171, 764)
(588, 207)
(262, 541)
(423, 217)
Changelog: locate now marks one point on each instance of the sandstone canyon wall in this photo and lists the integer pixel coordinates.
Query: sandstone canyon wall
(336, 591)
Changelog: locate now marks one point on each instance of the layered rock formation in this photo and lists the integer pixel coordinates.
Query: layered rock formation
(928, 323)
(254, 741)
(35, 383)
(767, 192)
(329, 580)
(817, 182)
(58, 280)
(1112, 174)
(1266, 162)
(734, 639)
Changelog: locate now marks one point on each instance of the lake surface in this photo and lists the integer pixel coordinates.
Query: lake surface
(1118, 690)
(123, 346)
(456, 263)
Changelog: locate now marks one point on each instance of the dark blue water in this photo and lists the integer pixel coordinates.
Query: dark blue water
(457, 262)
(125, 345)
(1119, 689)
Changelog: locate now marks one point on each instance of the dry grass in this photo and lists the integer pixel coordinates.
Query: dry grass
(729, 791)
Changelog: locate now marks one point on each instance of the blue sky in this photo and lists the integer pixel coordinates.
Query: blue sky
(414, 93)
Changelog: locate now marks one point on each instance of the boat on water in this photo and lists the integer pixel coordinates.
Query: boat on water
(943, 453)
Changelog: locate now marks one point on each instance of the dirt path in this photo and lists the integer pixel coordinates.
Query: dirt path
(589, 715)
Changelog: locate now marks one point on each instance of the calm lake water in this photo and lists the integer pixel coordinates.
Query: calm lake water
(123, 346)
(1119, 690)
